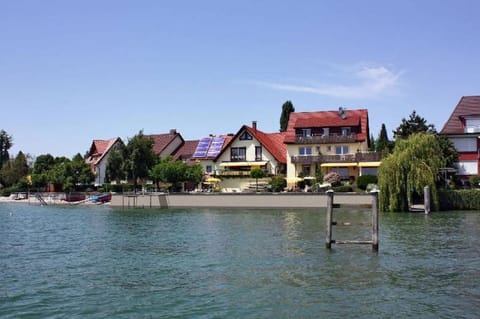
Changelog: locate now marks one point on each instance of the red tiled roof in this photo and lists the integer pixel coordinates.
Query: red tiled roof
(161, 141)
(467, 106)
(327, 119)
(186, 150)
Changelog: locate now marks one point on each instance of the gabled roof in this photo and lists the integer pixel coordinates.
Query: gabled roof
(99, 149)
(185, 151)
(162, 141)
(319, 119)
(272, 142)
(467, 106)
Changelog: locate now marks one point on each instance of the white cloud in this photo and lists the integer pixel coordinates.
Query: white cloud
(366, 82)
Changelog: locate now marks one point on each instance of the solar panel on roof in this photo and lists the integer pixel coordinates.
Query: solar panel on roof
(215, 147)
(202, 148)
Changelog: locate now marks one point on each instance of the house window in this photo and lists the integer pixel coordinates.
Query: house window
(238, 154)
(370, 171)
(306, 132)
(326, 131)
(341, 149)
(245, 136)
(304, 151)
(258, 153)
(342, 171)
(346, 131)
(208, 169)
(329, 148)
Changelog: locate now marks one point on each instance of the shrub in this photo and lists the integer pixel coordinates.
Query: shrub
(364, 180)
(120, 188)
(474, 181)
(465, 199)
(333, 178)
(278, 183)
(343, 189)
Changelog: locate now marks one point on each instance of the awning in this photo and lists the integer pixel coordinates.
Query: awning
(369, 164)
(236, 164)
(339, 164)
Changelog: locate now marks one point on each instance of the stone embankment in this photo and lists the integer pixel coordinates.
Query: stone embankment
(238, 200)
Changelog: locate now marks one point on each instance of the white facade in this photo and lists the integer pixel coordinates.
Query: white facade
(467, 168)
(250, 155)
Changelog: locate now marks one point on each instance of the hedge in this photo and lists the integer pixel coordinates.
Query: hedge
(464, 199)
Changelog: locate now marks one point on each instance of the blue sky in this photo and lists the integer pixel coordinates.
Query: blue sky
(74, 71)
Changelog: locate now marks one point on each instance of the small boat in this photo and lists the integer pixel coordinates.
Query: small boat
(102, 198)
(74, 197)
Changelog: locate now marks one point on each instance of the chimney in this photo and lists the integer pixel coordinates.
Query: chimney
(254, 125)
(173, 131)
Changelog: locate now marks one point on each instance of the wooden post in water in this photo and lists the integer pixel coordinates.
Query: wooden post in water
(328, 239)
(426, 199)
(374, 220)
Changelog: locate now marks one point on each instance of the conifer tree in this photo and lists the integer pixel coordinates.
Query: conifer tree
(287, 108)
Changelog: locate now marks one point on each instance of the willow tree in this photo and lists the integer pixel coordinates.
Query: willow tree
(414, 164)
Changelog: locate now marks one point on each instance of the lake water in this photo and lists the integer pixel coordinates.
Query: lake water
(98, 262)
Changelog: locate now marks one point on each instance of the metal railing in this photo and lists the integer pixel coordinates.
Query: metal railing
(344, 158)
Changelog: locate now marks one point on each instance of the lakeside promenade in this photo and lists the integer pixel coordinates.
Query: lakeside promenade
(214, 200)
(237, 200)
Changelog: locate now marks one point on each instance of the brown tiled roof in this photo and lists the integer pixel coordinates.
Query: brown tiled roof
(467, 106)
(161, 141)
(185, 151)
(327, 119)
(99, 149)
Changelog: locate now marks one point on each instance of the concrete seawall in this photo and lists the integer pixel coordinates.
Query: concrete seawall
(238, 200)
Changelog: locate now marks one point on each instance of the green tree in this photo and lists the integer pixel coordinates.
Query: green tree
(414, 124)
(194, 173)
(373, 144)
(5, 145)
(448, 150)
(414, 164)
(43, 163)
(80, 171)
(167, 170)
(257, 172)
(139, 158)
(287, 108)
(115, 170)
(13, 171)
(383, 143)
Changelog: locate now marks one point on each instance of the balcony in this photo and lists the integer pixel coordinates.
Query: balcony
(326, 139)
(345, 158)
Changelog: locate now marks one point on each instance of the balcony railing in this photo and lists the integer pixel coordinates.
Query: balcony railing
(326, 139)
(346, 158)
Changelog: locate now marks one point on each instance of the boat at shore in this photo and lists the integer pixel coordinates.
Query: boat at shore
(102, 198)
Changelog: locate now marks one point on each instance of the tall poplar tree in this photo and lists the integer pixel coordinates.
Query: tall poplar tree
(287, 108)
(383, 143)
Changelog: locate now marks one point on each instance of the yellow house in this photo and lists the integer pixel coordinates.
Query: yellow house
(329, 141)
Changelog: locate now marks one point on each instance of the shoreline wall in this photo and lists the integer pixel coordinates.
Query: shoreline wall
(238, 200)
